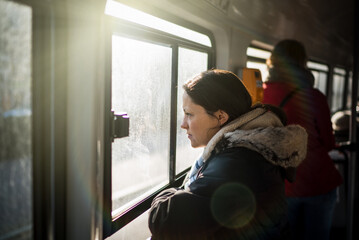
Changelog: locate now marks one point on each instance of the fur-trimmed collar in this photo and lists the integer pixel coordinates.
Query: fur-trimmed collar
(261, 130)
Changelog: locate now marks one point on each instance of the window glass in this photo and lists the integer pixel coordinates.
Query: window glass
(320, 73)
(260, 64)
(317, 66)
(320, 80)
(141, 87)
(258, 53)
(262, 68)
(190, 64)
(340, 71)
(338, 89)
(15, 121)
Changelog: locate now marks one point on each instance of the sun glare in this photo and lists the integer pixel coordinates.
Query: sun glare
(317, 66)
(124, 12)
(253, 52)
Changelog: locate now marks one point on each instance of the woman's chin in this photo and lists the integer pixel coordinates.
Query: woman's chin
(194, 145)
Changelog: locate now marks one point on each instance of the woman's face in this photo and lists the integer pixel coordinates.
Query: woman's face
(200, 126)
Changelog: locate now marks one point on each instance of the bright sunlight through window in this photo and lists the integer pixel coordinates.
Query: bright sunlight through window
(124, 12)
(317, 66)
(254, 52)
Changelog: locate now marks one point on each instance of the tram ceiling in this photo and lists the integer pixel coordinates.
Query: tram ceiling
(326, 27)
(320, 24)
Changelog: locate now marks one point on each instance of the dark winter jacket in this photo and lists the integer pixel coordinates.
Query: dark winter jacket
(239, 192)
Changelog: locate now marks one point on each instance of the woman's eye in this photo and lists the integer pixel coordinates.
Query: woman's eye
(188, 114)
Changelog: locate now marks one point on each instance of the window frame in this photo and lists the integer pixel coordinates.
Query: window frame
(345, 77)
(142, 33)
(347, 89)
(327, 85)
(49, 113)
(49, 120)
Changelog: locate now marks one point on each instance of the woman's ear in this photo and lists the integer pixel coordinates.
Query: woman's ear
(222, 116)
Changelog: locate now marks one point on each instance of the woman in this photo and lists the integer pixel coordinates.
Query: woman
(311, 197)
(235, 190)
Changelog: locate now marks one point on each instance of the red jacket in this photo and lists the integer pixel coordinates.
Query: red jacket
(309, 108)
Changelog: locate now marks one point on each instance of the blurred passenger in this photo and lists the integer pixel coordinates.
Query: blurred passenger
(341, 122)
(235, 190)
(311, 197)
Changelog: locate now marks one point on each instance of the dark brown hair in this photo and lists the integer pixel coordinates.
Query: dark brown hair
(219, 90)
(286, 52)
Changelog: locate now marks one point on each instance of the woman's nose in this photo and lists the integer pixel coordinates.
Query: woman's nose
(184, 124)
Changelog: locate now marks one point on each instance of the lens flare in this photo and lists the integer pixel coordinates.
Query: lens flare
(233, 205)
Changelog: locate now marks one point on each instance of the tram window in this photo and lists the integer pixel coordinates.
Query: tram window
(338, 89)
(320, 81)
(149, 66)
(320, 73)
(258, 53)
(257, 59)
(261, 66)
(187, 69)
(141, 88)
(317, 66)
(16, 155)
